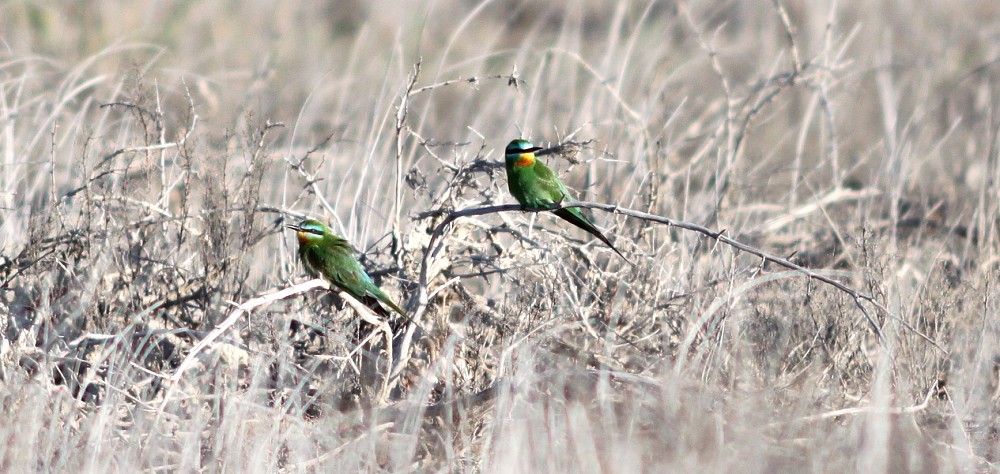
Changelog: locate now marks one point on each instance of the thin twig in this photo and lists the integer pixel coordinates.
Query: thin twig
(512, 80)
(382, 326)
(397, 201)
(875, 409)
(790, 36)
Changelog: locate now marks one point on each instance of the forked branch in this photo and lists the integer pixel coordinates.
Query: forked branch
(244, 308)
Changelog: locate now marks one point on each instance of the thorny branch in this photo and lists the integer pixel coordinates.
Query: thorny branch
(513, 80)
(436, 243)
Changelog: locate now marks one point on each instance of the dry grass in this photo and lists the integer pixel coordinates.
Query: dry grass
(151, 153)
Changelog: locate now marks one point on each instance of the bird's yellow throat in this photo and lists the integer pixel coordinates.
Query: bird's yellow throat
(525, 159)
(304, 237)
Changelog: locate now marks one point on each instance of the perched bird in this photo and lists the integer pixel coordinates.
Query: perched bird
(328, 256)
(535, 186)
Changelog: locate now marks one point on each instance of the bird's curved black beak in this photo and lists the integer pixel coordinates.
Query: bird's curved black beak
(533, 149)
(294, 227)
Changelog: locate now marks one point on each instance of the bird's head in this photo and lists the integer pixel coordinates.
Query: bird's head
(521, 153)
(310, 231)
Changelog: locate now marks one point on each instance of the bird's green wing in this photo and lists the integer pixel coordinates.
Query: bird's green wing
(556, 192)
(348, 275)
(538, 186)
(353, 279)
(548, 185)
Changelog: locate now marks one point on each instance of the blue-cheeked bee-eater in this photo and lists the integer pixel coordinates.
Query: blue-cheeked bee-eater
(327, 256)
(536, 187)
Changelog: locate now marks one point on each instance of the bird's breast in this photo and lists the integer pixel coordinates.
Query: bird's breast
(524, 160)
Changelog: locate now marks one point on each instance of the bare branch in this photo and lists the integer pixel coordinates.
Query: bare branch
(435, 245)
(235, 316)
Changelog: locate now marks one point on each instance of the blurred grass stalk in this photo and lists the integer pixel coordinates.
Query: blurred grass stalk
(151, 151)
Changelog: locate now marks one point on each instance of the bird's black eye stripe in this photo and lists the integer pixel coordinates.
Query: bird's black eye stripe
(313, 231)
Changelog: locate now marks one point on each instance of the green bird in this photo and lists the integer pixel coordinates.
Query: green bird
(326, 255)
(535, 186)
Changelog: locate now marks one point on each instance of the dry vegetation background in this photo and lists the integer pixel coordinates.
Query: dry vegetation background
(151, 152)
